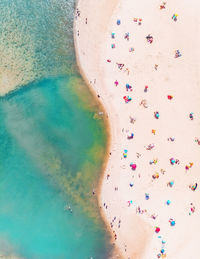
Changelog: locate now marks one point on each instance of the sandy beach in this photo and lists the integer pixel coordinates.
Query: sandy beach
(141, 58)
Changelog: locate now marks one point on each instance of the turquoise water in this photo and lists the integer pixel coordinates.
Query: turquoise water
(51, 145)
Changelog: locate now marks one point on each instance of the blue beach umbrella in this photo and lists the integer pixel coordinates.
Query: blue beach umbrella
(118, 22)
(113, 35)
(146, 196)
(162, 251)
(168, 202)
(172, 223)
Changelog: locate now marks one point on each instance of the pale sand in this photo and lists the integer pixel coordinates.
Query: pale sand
(178, 77)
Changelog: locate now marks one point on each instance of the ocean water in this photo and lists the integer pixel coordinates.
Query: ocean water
(52, 142)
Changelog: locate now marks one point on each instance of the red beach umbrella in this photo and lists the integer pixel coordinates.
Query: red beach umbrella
(133, 166)
(157, 230)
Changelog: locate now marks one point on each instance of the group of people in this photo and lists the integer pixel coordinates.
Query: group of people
(173, 161)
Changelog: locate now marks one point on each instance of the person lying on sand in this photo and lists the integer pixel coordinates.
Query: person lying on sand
(144, 103)
(149, 38)
(162, 6)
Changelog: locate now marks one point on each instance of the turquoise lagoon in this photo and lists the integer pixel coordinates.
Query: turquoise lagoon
(52, 143)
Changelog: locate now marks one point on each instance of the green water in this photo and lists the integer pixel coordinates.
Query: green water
(51, 144)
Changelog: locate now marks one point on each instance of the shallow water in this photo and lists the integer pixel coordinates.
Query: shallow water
(52, 144)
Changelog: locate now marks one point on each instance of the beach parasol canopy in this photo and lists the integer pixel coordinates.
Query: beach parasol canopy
(118, 22)
(113, 35)
(168, 202)
(172, 223)
(130, 136)
(116, 82)
(133, 166)
(194, 186)
(157, 115)
(157, 230)
(146, 196)
(172, 161)
(171, 183)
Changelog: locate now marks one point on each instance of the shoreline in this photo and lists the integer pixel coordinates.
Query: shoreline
(136, 199)
(109, 131)
(114, 146)
(116, 252)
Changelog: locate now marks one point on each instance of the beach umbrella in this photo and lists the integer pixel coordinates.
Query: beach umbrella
(133, 166)
(155, 176)
(187, 167)
(125, 153)
(155, 161)
(168, 202)
(191, 164)
(172, 161)
(174, 17)
(162, 251)
(154, 131)
(118, 22)
(116, 83)
(191, 116)
(157, 115)
(130, 136)
(171, 183)
(172, 223)
(146, 88)
(194, 187)
(157, 230)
